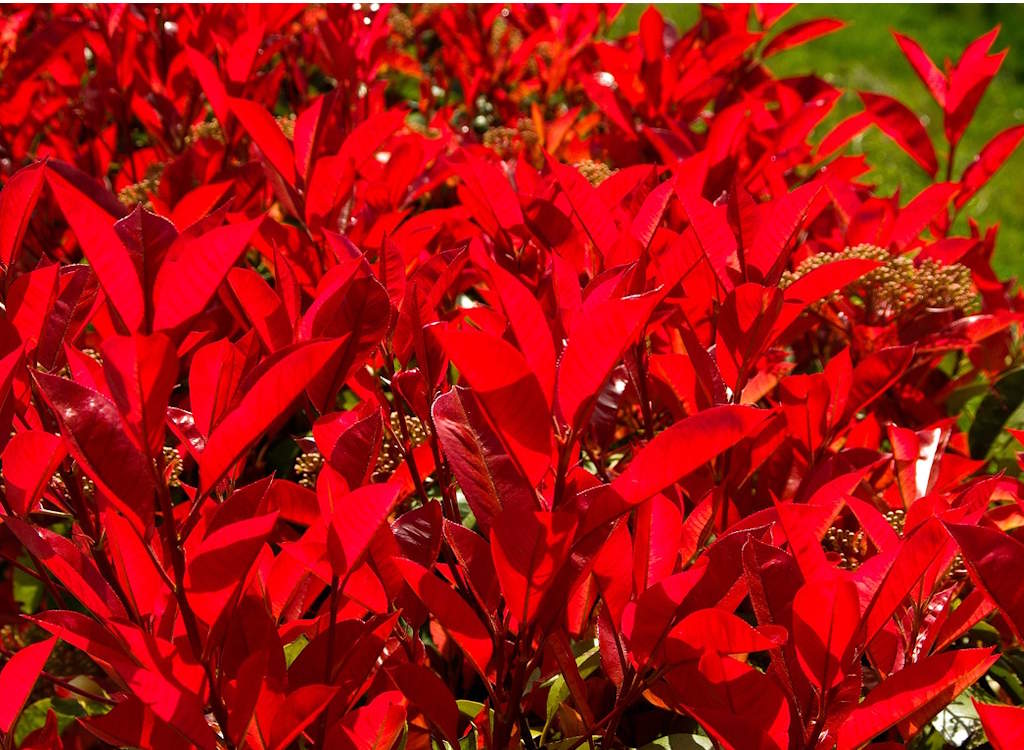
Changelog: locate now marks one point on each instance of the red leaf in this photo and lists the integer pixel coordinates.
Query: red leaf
(656, 536)
(684, 447)
(1004, 725)
(141, 372)
(454, 614)
(93, 225)
(148, 238)
(298, 710)
(779, 228)
(93, 432)
(267, 135)
(529, 549)
(821, 282)
(968, 81)
(69, 565)
(647, 219)
(713, 233)
(593, 214)
(714, 630)
(530, 326)
(428, 692)
(843, 133)
(987, 163)
(921, 688)
(350, 442)
(375, 726)
(506, 388)
(826, 616)
(209, 79)
(490, 186)
(487, 475)
(213, 381)
(221, 565)
(18, 677)
(195, 267)
(17, 200)
(357, 311)
(992, 557)
(280, 383)
(801, 33)
(918, 552)
(354, 518)
(473, 554)
(29, 460)
(261, 307)
(903, 126)
(601, 333)
(926, 70)
(916, 215)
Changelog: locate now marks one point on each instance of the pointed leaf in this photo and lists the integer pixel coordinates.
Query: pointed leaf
(18, 677)
(922, 687)
(899, 123)
(195, 267)
(529, 549)
(282, 381)
(597, 340)
(17, 201)
(684, 447)
(487, 475)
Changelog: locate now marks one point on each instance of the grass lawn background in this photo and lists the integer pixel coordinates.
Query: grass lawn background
(864, 56)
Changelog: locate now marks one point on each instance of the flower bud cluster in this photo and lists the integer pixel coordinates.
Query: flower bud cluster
(390, 457)
(898, 285)
(596, 172)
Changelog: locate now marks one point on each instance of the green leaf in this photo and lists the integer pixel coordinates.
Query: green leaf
(293, 649)
(27, 589)
(996, 409)
(34, 716)
(557, 695)
(680, 742)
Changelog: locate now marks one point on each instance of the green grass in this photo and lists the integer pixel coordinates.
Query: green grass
(864, 56)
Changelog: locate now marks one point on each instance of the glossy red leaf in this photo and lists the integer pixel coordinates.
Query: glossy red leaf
(487, 474)
(903, 126)
(96, 438)
(455, 615)
(993, 155)
(354, 518)
(510, 395)
(684, 447)
(1004, 725)
(355, 311)
(267, 136)
(529, 549)
(93, 225)
(596, 342)
(826, 617)
(926, 70)
(196, 265)
(991, 558)
(375, 726)
(18, 677)
(801, 33)
(221, 565)
(280, 383)
(141, 372)
(923, 687)
(17, 200)
(29, 461)
(298, 710)
(529, 324)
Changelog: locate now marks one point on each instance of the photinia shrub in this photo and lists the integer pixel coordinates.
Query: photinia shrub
(459, 377)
